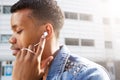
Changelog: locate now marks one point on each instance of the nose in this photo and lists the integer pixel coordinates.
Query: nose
(12, 40)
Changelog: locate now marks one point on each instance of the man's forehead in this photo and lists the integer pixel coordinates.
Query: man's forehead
(18, 16)
(24, 12)
(23, 15)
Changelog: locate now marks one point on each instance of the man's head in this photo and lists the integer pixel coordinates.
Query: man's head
(30, 18)
(45, 11)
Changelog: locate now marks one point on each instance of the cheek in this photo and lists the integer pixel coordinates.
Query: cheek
(23, 41)
(26, 40)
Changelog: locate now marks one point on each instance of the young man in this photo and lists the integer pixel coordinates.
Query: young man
(40, 57)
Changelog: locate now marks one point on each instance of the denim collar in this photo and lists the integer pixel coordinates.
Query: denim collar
(58, 64)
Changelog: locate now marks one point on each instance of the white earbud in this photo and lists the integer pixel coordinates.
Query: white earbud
(45, 34)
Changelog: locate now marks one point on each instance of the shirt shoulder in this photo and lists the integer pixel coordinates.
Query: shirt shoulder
(78, 68)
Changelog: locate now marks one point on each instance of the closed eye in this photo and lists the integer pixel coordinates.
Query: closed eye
(19, 32)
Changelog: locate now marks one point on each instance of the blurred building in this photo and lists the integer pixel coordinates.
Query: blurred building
(89, 31)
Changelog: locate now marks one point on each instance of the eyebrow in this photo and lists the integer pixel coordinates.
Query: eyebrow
(14, 27)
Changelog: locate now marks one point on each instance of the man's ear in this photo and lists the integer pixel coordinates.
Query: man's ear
(49, 30)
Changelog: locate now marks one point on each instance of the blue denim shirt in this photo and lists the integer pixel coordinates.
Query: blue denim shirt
(66, 66)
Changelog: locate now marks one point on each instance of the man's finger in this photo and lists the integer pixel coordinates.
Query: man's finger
(24, 52)
(40, 46)
(18, 55)
(30, 52)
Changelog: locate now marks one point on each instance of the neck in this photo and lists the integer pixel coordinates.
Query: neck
(51, 48)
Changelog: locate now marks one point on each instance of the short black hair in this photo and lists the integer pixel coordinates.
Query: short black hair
(43, 10)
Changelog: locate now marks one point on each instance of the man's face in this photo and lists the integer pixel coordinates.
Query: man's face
(25, 30)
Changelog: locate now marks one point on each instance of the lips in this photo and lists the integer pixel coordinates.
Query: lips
(15, 50)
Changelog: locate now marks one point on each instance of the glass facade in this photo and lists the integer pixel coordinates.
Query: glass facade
(0, 9)
(108, 44)
(87, 42)
(6, 9)
(5, 38)
(85, 17)
(0, 71)
(71, 15)
(72, 41)
(106, 21)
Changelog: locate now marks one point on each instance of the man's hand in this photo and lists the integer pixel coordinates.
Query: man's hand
(28, 65)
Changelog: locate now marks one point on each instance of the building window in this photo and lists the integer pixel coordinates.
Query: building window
(85, 17)
(117, 20)
(72, 41)
(8, 62)
(87, 42)
(7, 70)
(0, 9)
(71, 15)
(108, 44)
(2, 70)
(5, 38)
(106, 21)
(6, 9)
